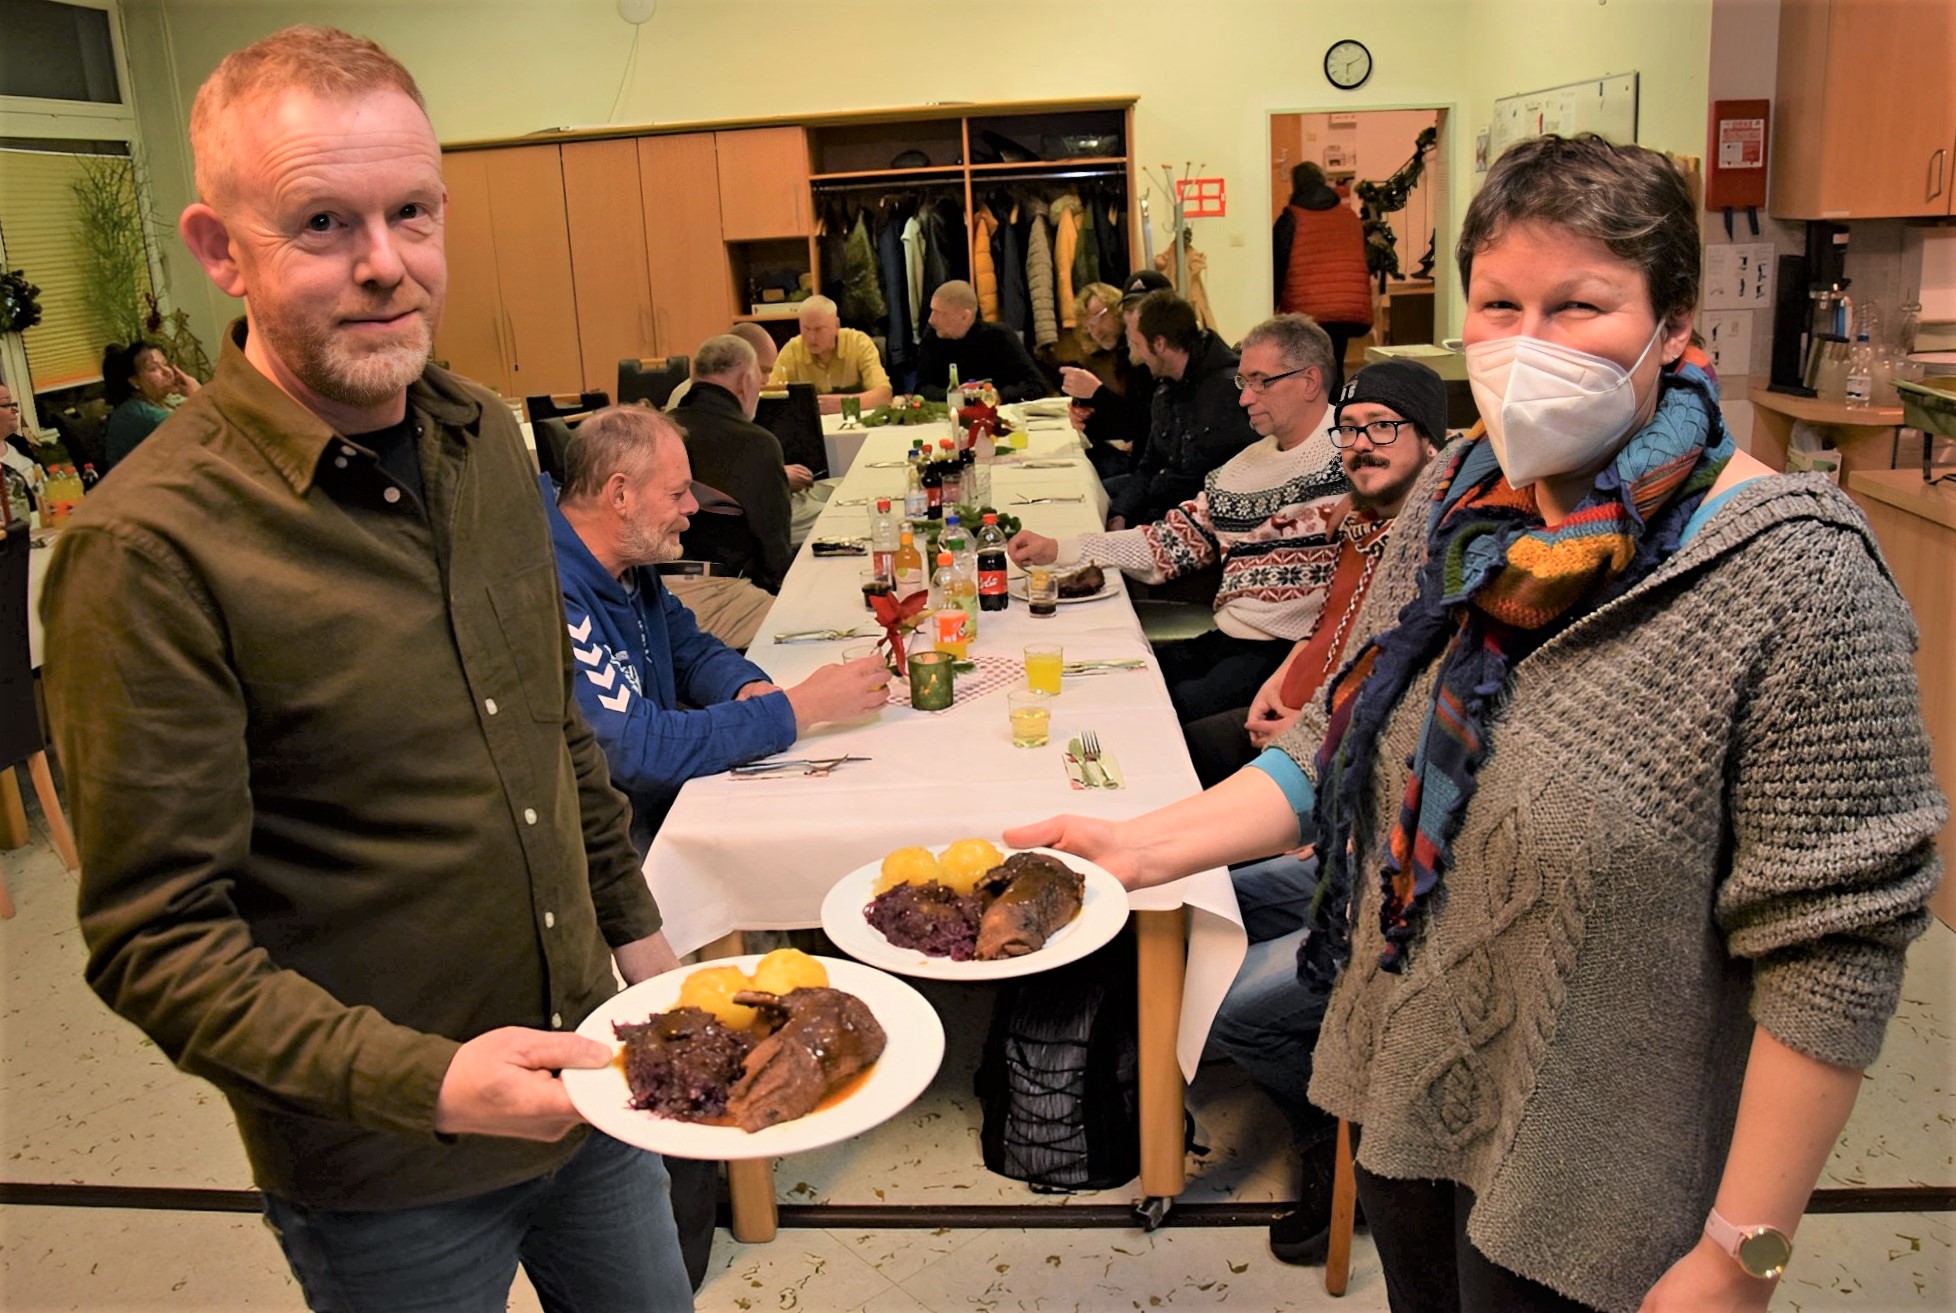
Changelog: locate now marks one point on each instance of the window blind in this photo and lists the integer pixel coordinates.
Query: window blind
(42, 238)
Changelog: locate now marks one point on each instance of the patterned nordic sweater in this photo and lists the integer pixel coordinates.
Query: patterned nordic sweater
(1706, 806)
(1262, 514)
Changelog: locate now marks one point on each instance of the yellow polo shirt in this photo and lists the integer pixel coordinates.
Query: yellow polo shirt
(855, 366)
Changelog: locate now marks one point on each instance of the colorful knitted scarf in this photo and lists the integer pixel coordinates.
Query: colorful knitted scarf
(1495, 585)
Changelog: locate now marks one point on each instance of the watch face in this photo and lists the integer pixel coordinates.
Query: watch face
(1347, 64)
(1764, 1252)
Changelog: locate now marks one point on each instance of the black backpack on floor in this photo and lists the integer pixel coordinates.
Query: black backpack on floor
(1059, 1081)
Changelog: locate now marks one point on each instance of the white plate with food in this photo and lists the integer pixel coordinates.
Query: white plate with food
(913, 1046)
(1102, 912)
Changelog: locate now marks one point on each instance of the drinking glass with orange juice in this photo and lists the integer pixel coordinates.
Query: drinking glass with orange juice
(1044, 664)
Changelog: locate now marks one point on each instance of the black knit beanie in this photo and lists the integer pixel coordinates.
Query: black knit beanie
(1406, 386)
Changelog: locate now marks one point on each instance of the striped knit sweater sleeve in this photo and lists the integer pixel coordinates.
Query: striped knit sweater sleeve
(1262, 514)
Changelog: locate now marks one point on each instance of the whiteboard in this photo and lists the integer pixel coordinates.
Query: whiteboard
(1606, 106)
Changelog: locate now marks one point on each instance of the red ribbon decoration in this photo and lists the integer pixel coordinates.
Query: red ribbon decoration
(897, 618)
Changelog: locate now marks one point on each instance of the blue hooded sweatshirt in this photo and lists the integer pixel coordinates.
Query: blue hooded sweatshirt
(640, 653)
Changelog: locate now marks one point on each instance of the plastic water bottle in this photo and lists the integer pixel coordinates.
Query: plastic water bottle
(1860, 373)
(883, 540)
(953, 607)
(958, 543)
(916, 498)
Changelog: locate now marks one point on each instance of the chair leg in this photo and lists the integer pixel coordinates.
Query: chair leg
(6, 900)
(64, 840)
(1344, 1207)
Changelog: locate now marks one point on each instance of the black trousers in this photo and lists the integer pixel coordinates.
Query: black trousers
(1219, 745)
(1341, 336)
(1420, 1228)
(1215, 672)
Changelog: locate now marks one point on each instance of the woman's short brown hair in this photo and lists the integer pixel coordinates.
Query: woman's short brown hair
(1632, 200)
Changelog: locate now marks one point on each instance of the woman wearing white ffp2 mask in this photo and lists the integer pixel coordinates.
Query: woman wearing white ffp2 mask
(1564, 350)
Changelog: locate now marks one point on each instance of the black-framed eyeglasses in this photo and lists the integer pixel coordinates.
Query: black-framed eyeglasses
(1244, 382)
(1382, 432)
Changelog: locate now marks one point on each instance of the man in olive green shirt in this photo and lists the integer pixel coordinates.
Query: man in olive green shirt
(840, 362)
(350, 851)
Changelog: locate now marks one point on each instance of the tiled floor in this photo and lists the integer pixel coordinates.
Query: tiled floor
(85, 1099)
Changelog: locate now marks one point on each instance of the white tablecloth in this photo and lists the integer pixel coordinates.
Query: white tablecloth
(760, 854)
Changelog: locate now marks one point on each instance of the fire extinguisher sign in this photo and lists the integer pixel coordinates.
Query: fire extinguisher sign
(1742, 143)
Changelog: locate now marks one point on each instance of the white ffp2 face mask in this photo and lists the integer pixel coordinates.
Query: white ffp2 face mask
(1551, 409)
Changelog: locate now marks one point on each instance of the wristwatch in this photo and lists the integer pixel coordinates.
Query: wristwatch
(1762, 1251)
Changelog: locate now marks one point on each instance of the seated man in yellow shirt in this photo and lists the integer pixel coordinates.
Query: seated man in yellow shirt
(840, 362)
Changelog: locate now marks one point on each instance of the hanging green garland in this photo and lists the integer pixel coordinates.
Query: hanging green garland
(1389, 197)
(20, 306)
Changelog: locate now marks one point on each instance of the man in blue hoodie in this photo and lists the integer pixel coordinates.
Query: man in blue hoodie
(667, 701)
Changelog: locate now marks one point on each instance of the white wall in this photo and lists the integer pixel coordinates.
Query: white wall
(1208, 76)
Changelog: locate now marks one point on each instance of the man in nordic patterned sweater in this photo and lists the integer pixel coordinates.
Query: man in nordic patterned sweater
(1263, 514)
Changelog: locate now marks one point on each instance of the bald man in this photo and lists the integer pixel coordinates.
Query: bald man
(350, 850)
(840, 362)
(957, 336)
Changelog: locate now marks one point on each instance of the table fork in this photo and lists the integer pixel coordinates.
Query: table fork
(1090, 767)
(1022, 500)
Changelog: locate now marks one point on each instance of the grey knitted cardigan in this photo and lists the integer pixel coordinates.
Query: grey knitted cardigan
(1706, 805)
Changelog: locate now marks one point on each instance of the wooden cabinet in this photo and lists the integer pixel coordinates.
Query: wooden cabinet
(1865, 116)
(516, 198)
(685, 254)
(603, 202)
(470, 336)
(763, 183)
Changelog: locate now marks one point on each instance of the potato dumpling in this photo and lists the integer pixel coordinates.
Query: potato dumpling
(788, 969)
(965, 862)
(907, 866)
(712, 989)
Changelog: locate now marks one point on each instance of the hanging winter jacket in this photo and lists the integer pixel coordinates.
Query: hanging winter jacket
(984, 277)
(862, 293)
(899, 351)
(1066, 245)
(1039, 274)
(1007, 244)
(913, 274)
(1110, 235)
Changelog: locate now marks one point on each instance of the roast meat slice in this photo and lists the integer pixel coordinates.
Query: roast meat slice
(824, 1037)
(1036, 895)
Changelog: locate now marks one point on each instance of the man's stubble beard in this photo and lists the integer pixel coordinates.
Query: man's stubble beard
(328, 365)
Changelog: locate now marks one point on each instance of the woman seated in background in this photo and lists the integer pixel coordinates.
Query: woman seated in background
(1624, 803)
(137, 381)
(1109, 391)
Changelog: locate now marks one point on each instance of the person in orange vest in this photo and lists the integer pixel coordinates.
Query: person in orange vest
(1318, 250)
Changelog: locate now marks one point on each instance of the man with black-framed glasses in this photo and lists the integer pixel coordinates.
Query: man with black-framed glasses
(1255, 514)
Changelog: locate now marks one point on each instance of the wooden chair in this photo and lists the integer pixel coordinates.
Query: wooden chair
(651, 380)
(564, 404)
(20, 721)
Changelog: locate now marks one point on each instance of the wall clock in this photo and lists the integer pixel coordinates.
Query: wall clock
(1347, 64)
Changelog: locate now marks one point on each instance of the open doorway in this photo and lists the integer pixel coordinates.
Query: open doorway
(1370, 146)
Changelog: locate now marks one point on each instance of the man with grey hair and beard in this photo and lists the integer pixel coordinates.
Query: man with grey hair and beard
(351, 852)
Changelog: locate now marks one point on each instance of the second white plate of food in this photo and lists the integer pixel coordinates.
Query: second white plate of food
(914, 1047)
(1103, 911)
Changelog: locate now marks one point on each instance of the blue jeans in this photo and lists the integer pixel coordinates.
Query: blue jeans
(595, 1236)
(1268, 1022)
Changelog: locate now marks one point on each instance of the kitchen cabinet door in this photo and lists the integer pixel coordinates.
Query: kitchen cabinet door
(533, 268)
(763, 183)
(1866, 109)
(685, 254)
(603, 203)
(470, 336)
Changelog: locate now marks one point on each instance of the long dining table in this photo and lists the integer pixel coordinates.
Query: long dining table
(760, 854)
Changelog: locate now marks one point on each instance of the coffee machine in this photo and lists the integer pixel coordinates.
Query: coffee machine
(1811, 309)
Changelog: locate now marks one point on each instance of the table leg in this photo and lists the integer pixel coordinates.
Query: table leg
(731, 944)
(750, 1191)
(1161, 944)
(13, 815)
